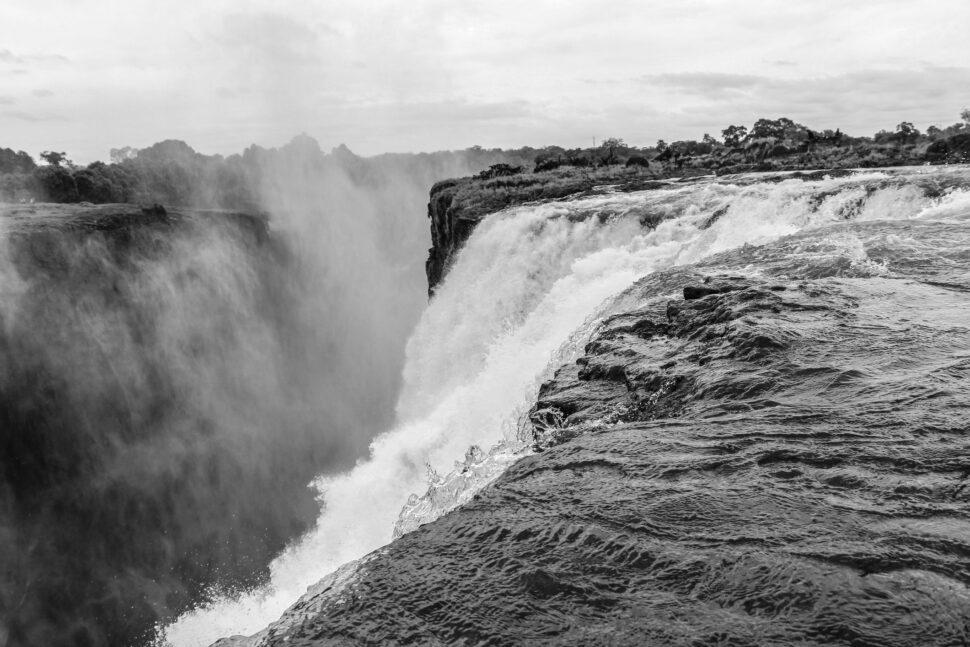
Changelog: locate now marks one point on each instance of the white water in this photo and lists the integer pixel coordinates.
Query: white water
(526, 280)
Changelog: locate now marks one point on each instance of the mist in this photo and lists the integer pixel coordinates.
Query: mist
(169, 390)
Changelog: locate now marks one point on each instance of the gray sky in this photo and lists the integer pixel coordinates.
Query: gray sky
(85, 76)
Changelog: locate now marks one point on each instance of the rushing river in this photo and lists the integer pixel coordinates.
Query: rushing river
(782, 463)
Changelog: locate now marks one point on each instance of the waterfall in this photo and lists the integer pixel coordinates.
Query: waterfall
(526, 290)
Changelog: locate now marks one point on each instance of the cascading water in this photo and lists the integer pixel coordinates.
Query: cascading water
(529, 287)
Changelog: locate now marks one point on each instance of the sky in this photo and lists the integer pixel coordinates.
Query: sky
(85, 76)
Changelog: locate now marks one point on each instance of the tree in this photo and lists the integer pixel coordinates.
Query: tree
(610, 145)
(965, 115)
(94, 184)
(709, 140)
(883, 136)
(55, 184)
(906, 132)
(175, 150)
(15, 162)
(733, 135)
(661, 146)
(54, 158)
(119, 155)
(780, 128)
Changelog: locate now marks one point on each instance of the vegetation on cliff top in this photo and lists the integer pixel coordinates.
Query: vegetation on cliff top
(171, 172)
(770, 145)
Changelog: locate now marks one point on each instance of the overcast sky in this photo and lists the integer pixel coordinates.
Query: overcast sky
(84, 76)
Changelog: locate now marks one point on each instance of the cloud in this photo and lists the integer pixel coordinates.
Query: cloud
(712, 85)
(46, 59)
(8, 57)
(43, 93)
(859, 101)
(32, 117)
(452, 112)
(222, 74)
(7, 101)
(272, 38)
(879, 89)
(471, 111)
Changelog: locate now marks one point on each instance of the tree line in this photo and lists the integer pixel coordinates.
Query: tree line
(172, 172)
(777, 142)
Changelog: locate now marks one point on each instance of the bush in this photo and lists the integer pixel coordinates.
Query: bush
(55, 184)
(19, 162)
(95, 185)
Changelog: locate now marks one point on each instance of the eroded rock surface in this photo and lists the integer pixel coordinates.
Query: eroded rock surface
(771, 461)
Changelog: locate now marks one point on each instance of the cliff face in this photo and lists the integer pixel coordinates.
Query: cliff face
(117, 221)
(451, 225)
(127, 339)
(457, 206)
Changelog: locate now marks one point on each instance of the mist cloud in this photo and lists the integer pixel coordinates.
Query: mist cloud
(168, 392)
(269, 39)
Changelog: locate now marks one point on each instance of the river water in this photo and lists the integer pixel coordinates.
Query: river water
(800, 484)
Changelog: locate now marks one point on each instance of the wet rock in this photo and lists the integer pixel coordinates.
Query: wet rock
(765, 461)
(750, 466)
(698, 291)
(714, 217)
(642, 367)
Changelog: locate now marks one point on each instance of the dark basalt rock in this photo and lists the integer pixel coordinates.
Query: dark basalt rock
(450, 228)
(651, 363)
(714, 217)
(457, 206)
(709, 287)
(723, 470)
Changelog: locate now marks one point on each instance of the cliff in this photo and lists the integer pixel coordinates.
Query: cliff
(456, 206)
(118, 329)
(118, 221)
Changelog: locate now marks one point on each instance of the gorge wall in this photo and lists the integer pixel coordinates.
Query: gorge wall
(141, 351)
(456, 206)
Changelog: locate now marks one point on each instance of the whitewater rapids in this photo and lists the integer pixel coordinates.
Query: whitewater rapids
(523, 296)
